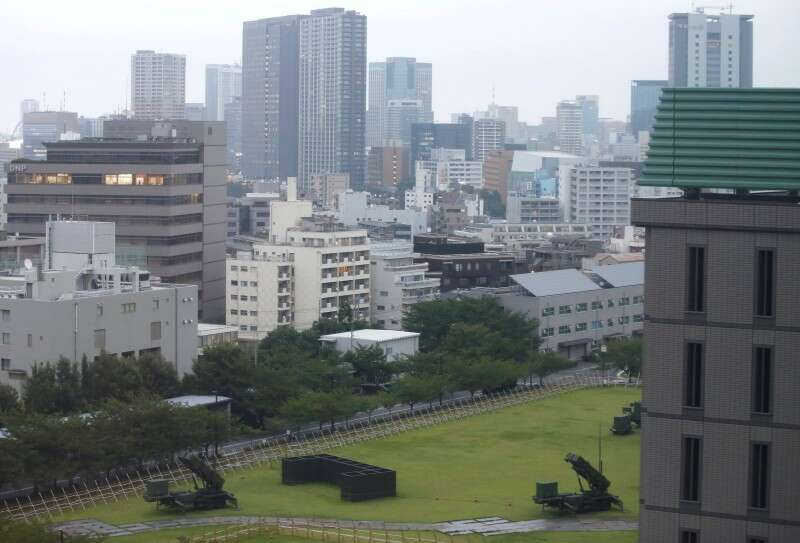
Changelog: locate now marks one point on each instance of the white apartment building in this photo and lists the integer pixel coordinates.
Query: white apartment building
(320, 266)
(520, 238)
(158, 85)
(421, 196)
(596, 196)
(448, 168)
(397, 283)
(395, 344)
(569, 116)
(487, 135)
(353, 208)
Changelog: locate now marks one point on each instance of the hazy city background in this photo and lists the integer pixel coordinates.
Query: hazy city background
(534, 53)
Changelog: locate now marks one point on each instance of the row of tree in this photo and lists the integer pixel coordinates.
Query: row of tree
(44, 448)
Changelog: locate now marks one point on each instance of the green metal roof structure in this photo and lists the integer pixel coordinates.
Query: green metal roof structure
(725, 138)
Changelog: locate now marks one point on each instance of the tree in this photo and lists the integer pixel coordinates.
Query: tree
(228, 370)
(68, 386)
(493, 203)
(543, 364)
(483, 373)
(9, 399)
(411, 390)
(625, 355)
(345, 313)
(369, 364)
(157, 376)
(114, 378)
(39, 393)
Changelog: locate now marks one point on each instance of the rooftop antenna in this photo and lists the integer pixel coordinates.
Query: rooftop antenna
(493, 102)
(44, 101)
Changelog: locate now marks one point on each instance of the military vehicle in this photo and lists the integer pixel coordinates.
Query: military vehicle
(622, 425)
(593, 498)
(208, 496)
(635, 412)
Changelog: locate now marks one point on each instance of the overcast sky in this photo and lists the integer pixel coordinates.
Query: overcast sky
(533, 52)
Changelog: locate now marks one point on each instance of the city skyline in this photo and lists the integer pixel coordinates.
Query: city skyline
(459, 61)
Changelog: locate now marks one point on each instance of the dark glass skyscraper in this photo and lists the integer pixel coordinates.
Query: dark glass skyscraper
(644, 101)
(270, 97)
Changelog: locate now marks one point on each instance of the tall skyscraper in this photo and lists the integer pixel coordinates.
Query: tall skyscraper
(710, 50)
(270, 97)
(40, 127)
(644, 101)
(569, 115)
(333, 84)
(397, 79)
(223, 84)
(158, 85)
(590, 113)
(487, 135)
(425, 137)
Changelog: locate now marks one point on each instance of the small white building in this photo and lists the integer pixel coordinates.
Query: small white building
(395, 343)
(211, 335)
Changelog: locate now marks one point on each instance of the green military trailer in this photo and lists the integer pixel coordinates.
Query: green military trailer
(209, 495)
(635, 412)
(622, 425)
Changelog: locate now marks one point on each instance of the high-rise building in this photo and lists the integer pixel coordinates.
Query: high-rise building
(710, 50)
(326, 187)
(398, 118)
(223, 84)
(598, 196)
(40, 127)
(590, 113)
(194, 111)
(387, 166)
(721, 427)
(233, 126)
(644, 101)
(487, 135)
(333, 85)
(569, 115)
(497, 172)
(270, 97)
(91, 127)
(28, 105)
(158, 85)
(397, 79)
(425, 137)
(166, 196)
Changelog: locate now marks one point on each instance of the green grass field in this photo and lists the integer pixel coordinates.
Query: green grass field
(480, 466)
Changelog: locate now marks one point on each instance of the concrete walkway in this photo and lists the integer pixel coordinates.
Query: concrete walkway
(483, 526)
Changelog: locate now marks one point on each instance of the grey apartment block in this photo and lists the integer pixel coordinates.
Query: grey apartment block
(722, 403)
(158, 85)
(270, 97)
(333, 85)
(167, 198)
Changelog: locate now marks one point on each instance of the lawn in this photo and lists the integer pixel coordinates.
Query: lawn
(479, 466)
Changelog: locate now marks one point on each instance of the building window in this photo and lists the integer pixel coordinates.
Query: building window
(564, 329)
(6, 314)
(548, 311)
(596, 325)
(234, 311)
(762, 380)
(610, 303)
(253, 298)
(6, 338)
(30, 340)
(234, 268)
(690, 536)
(547, 332)
(100, 339)
(638, 318)
(759, 475)
(693, 380)
(580, 327)
(156, 303)
(610, 323)
(597, 305)
(756, 539)
(234, 297)
(129, 307)
(624, 301)
(5, 363)
(564, 309)
(580, 308)
(765, 283)
(99, 310)
(254, 313)
(696, 280)
(155, 331)
(690, 469)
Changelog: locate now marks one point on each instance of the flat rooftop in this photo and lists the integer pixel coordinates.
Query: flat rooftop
(369, 334)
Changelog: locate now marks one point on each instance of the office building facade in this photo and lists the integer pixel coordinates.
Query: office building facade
(223, 84)
(158, 85)
(397, 79)
(722, 427)
(270, 97)
(167, 198)
(425, 137)
(387, 166)
(40, 127)
(710, 50)
(644, 101)
(333, 85)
